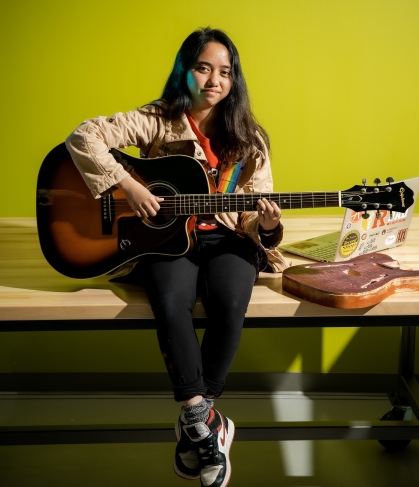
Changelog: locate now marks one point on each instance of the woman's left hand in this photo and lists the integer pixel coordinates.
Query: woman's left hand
(269, 214)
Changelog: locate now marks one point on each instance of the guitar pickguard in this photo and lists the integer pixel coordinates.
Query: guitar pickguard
(137, 237)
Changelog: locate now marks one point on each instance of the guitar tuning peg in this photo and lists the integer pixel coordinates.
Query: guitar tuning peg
(365, 215)
(378, 215)
(389, 180)
(364, 189)
(377, 181)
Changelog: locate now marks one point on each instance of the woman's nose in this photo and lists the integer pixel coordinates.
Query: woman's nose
(213, 79)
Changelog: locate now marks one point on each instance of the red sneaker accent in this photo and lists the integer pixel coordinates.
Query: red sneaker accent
(210, 417)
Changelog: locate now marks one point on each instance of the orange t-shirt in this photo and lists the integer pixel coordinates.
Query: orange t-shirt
(206, 222)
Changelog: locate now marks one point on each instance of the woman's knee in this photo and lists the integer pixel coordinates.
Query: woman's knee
(170, 305)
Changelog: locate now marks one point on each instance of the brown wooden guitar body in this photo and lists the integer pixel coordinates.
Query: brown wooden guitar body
(357, 283)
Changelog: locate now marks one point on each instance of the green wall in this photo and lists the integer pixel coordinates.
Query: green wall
(335, 82)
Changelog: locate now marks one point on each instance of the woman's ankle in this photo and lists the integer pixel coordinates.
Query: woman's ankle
(192, 401)
(195, 413)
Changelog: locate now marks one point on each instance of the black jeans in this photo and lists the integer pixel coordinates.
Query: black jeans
(223, 267)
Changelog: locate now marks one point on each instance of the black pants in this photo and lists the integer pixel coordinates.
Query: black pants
(223, 267)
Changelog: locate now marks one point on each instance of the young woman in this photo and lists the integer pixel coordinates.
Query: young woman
(204, 112)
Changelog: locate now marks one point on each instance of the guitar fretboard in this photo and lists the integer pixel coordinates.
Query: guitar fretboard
(198, 204)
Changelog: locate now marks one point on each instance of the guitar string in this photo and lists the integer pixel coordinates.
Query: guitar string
(185, 207)
(257, 196)
(237, 199)
(217, 200)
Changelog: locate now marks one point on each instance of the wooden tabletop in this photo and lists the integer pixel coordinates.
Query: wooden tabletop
(31, 290)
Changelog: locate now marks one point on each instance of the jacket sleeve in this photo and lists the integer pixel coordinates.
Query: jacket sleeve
(261, 182)
(89, 145)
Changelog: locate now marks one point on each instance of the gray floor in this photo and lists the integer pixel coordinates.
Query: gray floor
(288, 463)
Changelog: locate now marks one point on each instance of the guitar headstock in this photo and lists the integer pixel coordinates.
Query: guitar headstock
(391, 196)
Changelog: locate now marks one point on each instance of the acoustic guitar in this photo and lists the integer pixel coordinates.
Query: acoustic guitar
(83, 237)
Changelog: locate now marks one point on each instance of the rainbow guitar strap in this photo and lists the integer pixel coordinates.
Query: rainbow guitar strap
(229, 178)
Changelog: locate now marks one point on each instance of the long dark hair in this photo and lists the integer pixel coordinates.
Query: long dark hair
(236, 127)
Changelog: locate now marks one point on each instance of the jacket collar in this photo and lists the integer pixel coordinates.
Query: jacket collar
(178, 130)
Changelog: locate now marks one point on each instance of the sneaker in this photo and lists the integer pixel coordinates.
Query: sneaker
(212, 441)
(186, 463)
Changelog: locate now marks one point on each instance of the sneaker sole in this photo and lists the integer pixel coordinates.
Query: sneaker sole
(177, 471)
(230, 438)
(183, 475)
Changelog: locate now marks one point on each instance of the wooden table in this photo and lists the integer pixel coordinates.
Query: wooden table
(34, 297)
(30, 290)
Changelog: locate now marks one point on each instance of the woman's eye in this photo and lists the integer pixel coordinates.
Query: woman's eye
(225, 73)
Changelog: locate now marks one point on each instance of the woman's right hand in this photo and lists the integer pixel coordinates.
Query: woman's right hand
(140, 199)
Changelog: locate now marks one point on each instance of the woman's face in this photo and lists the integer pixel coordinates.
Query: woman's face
(209, 79)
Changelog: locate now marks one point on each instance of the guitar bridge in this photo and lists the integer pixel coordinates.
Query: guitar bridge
(108, 214)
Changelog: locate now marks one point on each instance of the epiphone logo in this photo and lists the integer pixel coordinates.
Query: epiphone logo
(401, 191)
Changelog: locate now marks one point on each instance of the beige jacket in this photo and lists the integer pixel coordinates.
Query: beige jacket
(155, 136)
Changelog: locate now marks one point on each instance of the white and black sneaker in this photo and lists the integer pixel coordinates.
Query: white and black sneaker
(212, 441)
(186, 463)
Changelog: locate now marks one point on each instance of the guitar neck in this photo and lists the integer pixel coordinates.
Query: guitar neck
(198, 204)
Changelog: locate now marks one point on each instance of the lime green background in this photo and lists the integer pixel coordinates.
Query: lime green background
(334, 82)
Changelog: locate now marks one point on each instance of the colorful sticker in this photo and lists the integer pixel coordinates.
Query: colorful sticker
(355, 216)
(390, 239)
(401, 235)
(349, 244)
(366, 222)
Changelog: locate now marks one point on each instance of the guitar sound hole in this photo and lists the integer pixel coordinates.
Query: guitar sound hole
(165, 216)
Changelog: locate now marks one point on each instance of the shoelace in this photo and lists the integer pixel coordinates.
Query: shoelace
(209, 453)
